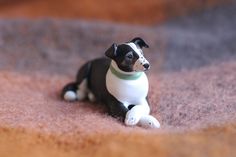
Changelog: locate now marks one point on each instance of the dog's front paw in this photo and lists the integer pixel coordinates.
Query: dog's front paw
(132, 118)
(148, 121)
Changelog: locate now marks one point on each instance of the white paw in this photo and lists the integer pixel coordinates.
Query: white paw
(81, 95)
(91, 97)
(148, 121)
(70, 96)
(132, 118)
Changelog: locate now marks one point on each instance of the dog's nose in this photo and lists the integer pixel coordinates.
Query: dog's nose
(146, 65)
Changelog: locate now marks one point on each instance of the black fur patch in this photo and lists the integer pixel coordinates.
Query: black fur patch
(130, 107)
(125, 57)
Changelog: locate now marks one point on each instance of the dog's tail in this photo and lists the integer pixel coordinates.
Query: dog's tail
(69, 91)
(77, 90)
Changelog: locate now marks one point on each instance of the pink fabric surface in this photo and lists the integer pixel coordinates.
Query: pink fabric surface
(192, 76)
(181, 101)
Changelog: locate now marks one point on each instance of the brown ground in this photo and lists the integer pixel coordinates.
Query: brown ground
(215, 142)
(137, 11)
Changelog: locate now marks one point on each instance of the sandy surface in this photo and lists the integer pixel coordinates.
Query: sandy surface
(192, 87)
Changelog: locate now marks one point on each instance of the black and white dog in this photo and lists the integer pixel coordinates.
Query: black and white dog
(119, 82)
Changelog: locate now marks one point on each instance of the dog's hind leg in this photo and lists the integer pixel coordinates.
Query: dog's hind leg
(77, 90)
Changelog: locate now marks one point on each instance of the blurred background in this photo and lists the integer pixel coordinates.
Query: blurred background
(192, 54)
(135, 11)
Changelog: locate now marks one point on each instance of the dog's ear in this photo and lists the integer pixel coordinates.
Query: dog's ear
(111, 52)
(140, 42)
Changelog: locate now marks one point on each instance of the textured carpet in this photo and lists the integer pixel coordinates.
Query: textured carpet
(192, 85)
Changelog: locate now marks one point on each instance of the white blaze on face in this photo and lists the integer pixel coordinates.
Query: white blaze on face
(138, 65)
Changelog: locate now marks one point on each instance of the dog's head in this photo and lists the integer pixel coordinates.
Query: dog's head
(129, 56)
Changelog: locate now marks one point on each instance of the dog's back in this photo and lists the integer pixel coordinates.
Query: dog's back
(97, 78)
(90, 82)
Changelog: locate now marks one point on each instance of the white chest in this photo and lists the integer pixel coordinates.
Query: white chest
(127, 91)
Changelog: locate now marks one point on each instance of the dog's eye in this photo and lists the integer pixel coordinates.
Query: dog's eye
(130, 56)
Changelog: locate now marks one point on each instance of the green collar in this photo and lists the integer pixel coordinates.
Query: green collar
(123, 76)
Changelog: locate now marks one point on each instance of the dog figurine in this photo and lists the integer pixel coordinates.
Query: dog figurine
(119, 82)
